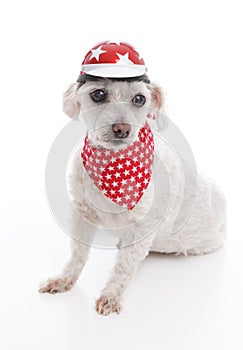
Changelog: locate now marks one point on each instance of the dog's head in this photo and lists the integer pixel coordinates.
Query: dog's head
(114, 110)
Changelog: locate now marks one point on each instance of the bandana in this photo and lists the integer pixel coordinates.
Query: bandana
(122, 175)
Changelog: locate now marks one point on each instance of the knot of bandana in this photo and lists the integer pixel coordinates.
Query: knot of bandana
(122, 175)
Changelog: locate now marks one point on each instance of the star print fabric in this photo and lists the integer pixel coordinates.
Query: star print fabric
(122, 175)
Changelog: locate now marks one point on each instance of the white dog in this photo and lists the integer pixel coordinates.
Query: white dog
(114, 111)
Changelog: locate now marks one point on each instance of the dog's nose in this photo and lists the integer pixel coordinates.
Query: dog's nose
(121, 130)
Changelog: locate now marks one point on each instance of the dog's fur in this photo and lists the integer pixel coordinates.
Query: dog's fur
(203, 232)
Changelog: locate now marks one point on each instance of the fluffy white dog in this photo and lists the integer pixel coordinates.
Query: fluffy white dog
(113, 111)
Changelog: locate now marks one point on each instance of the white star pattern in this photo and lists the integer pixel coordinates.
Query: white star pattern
(123, 59)
(119, 166)
(123, 178)
(96, 53)
(114, 42)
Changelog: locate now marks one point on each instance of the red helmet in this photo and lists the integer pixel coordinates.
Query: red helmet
(111, 59)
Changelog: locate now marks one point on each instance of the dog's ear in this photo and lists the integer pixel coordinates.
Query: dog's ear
(157, 106)
(157, 96)
(71, 105)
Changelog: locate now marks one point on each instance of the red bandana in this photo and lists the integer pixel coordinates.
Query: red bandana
(123, 175)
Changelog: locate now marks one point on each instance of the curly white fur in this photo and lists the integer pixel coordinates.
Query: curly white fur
(204, 230)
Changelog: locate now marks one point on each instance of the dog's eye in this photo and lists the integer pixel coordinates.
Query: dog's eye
(139, 100)
(98, 95)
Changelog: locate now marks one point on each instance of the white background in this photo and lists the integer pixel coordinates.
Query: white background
(193, 49)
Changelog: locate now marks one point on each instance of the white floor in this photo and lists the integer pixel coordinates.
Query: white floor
(173, 302)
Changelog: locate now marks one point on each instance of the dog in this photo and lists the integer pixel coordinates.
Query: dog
(115, 111)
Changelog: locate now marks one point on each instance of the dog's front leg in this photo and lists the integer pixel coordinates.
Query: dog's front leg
(73, 268)
(71, 272)
(127, 262)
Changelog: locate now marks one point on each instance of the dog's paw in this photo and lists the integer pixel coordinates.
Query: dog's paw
(108, 304)
(57, 285)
